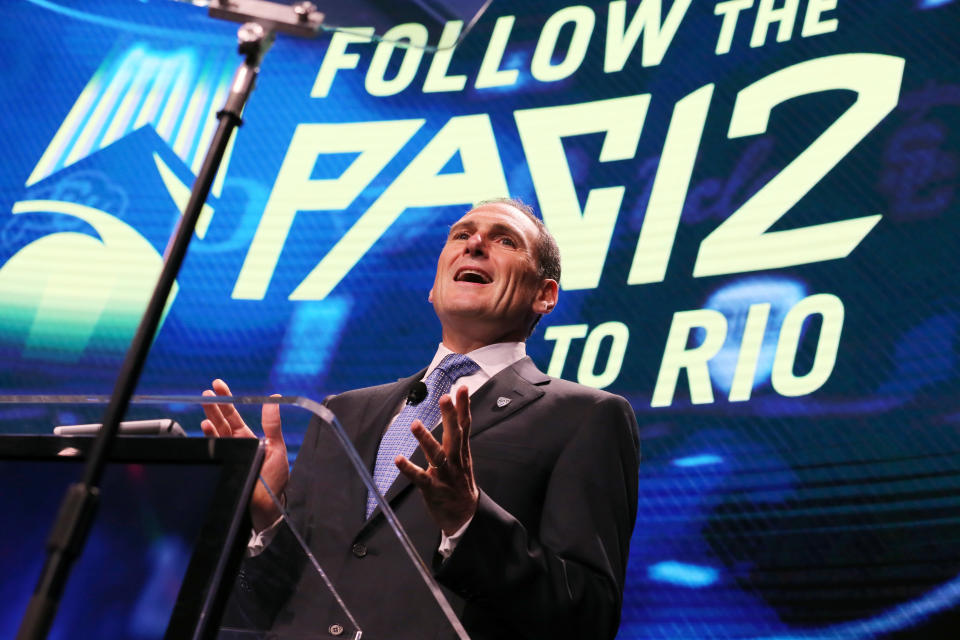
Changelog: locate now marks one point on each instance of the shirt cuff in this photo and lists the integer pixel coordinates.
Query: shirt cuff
(260, 540)
(449, 543)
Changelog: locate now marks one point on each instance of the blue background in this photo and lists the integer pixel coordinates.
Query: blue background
(828, 515)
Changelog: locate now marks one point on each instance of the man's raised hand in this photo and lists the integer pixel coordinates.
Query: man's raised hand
(224, 421)
(447, 484)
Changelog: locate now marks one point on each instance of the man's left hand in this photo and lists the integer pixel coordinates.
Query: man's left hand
(447, 484)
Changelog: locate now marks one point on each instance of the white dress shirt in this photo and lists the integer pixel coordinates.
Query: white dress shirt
(492, 359)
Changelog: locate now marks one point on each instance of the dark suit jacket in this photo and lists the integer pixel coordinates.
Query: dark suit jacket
(544, 557)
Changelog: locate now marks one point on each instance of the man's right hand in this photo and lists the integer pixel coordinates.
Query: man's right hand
(223, 421)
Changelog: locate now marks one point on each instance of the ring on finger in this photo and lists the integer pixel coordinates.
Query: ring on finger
(442, 461)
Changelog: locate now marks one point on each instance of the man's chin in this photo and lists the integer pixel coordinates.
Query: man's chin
(467, 313)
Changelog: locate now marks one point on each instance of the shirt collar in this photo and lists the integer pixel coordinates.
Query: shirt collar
(492, 358)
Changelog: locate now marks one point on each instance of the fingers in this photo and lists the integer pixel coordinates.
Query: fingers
(208, 429)
(270, 421)
(415, 474)
(229, 411)
(224, 420)
(456, 426)
(463, 419)
(451, 428)
(432, 450)
(215, 420)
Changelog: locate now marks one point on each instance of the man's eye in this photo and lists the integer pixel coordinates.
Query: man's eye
(507, 241)
(460, 235)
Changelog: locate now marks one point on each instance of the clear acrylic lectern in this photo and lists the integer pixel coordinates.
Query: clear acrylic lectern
(172, 535)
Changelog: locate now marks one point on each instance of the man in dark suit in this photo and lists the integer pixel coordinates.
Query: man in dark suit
(527, 487)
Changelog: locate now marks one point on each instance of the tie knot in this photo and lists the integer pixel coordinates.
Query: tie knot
(456, 365)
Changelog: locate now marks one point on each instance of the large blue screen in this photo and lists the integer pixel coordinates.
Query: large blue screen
(757, 206)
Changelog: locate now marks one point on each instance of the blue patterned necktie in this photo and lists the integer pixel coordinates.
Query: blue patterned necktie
(398, 440)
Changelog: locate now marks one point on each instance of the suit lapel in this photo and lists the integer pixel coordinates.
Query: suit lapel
(374, 423)
(519, 383)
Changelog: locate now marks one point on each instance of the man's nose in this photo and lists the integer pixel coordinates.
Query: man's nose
(476, 244)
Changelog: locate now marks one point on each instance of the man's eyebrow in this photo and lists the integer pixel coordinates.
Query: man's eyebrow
(456, 226)
(497, 228)
(503, 229)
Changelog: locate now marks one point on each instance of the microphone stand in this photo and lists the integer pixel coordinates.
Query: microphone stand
(77, 510)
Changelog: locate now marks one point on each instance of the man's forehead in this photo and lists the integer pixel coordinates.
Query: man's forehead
(498, 213)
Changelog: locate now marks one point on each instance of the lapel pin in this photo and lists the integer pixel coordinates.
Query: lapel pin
(502, 402)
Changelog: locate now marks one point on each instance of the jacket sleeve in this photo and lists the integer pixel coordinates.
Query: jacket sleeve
(561, 577)
(266, 581)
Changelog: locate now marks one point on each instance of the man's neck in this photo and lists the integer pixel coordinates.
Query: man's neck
(460, 343)
(492, 358)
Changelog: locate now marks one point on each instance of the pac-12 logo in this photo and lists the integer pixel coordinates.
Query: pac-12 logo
(84, 283)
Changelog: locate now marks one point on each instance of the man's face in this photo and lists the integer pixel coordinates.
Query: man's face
(487, 285)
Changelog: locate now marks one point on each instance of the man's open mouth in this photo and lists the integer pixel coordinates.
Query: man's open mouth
(475, 276)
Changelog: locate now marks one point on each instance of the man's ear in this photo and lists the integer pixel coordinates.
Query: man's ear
(547, 296)
(430, 296)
